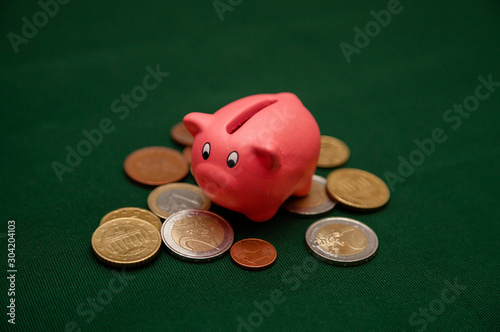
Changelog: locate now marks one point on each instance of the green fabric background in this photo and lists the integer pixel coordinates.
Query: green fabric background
(440, 225)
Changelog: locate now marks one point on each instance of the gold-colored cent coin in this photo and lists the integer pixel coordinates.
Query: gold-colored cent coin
(357, 189)
(156, 165)
(333, 152)
(181, 135)
(126, 242)
(174, 197)
(133, 212)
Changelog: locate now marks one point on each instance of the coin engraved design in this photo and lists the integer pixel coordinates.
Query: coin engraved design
(174, 197)
(340, 239)
(198, 233)
(253, 254)
(357, 188)
(333, 152)
(126, 242)
(315, 202)
(133, 212)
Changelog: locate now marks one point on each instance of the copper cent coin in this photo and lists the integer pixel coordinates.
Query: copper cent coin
(253, 254)
(333, 152)
(156, 165)
(187, 153)
(181, 135)
(126, 242)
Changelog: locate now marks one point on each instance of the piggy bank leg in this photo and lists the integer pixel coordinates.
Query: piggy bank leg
(303, 188)
(262, 216)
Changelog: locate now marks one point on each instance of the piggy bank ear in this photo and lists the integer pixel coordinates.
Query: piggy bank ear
(268, 155)
(197, 122)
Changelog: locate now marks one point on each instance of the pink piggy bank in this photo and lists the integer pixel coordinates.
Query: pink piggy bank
(254, 153)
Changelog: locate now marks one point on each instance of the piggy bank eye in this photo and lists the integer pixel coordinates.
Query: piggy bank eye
(206, 150)
(232, 159)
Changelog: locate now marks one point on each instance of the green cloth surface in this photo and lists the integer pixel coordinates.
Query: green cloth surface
(437, 266)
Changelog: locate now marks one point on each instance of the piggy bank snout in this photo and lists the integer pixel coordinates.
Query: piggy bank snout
(211, 179)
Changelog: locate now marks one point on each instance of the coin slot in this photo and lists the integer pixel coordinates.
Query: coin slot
(245, 115)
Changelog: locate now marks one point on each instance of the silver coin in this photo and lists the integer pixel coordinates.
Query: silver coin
(341, 241)
(197, 235)
(314, 203)
(174, 197)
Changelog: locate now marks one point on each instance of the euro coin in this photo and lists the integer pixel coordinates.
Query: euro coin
(133, 212)
(315, 202)
(197, 235)
(126, 242)
(333, 152)
(174, 197)
(156, 165)
(181, 135)
(253, 254)
(357, 189)
(341, 241)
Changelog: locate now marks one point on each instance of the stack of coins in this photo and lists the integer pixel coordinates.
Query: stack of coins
(132, 236)
(350, 187)
(127, 237)
(340, 241)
